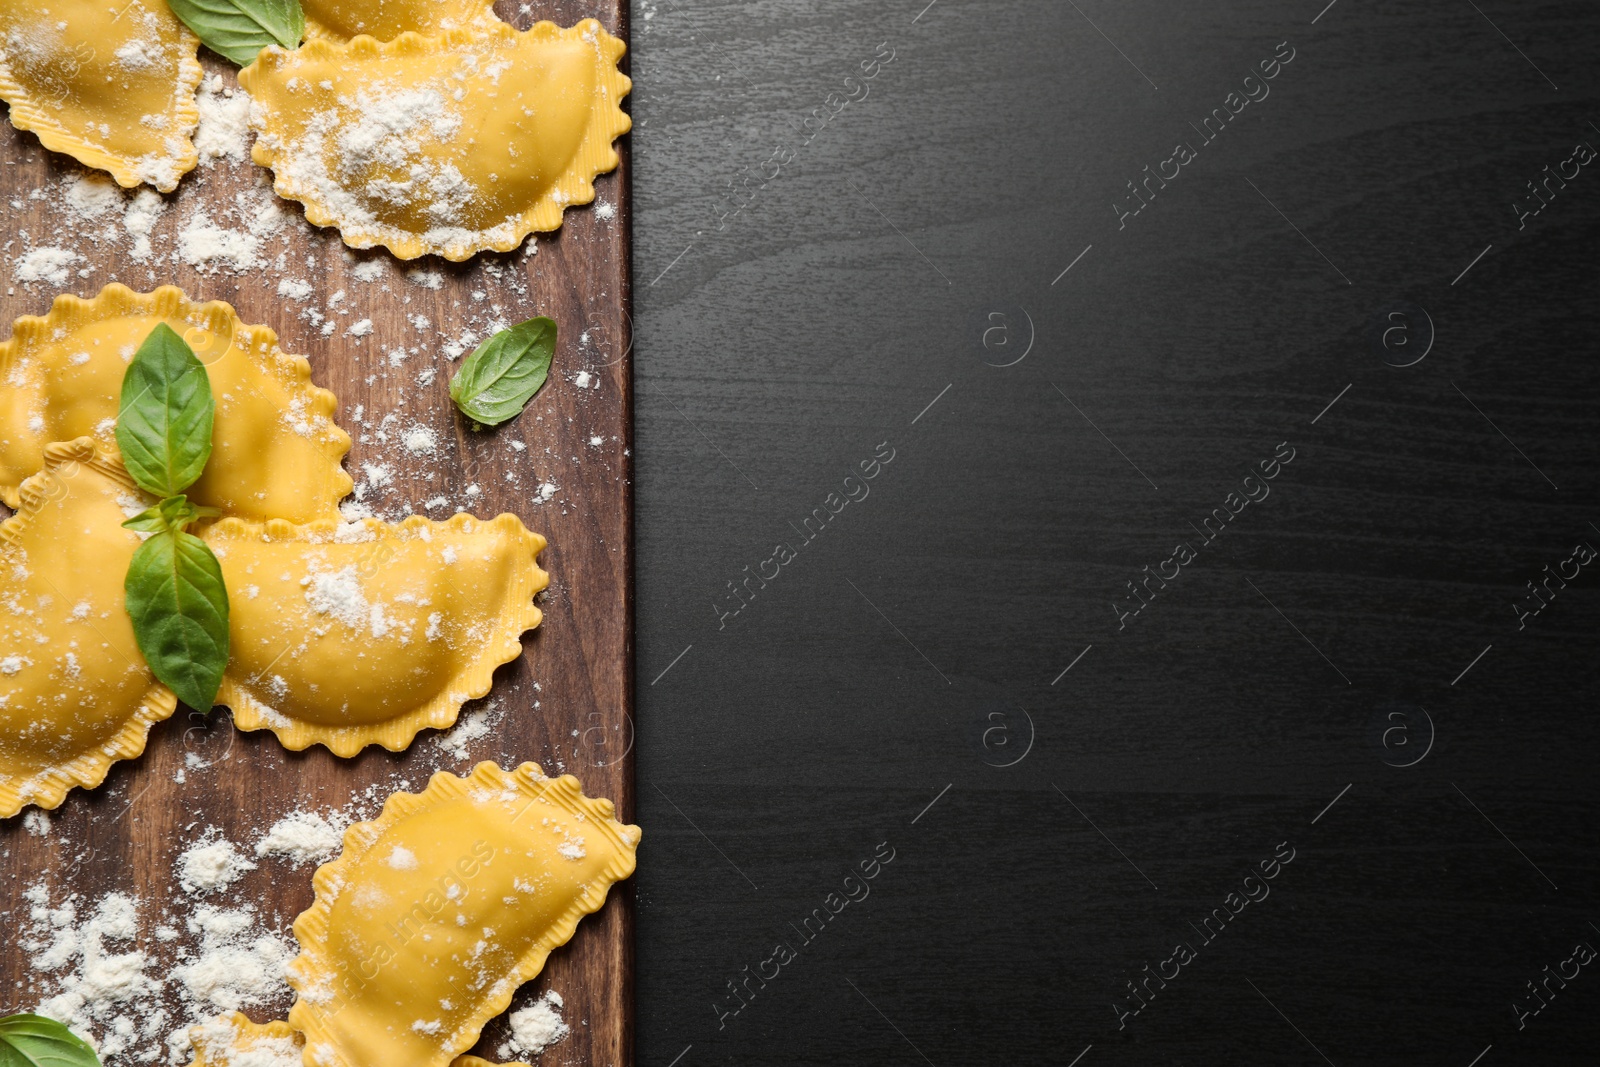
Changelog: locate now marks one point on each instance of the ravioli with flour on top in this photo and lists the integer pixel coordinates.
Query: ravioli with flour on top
(109, 82)
(435, 913)
(448, 145)
(340, 20)
(235, 1040)
(75, 694)
(365, 633)
(275, 449)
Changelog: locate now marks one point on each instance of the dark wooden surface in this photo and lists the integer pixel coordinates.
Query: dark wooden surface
(777, 351)
(565, 704)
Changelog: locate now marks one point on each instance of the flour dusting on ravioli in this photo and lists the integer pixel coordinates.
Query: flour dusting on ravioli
(111, 84)
(448, 145)
(363, 633)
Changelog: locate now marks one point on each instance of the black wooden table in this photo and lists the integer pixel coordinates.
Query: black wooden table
(1178, 761)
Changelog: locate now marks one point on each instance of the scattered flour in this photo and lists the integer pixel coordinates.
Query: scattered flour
(162, 171)
(212, 864)
(224, 121)
(339, 594)
(206, 246)
(402, 859)
(140, 218)
(106, 994)
(421, 441)
(354, 510)
(235, 966)
(302, 837)
(260, 211)
(218, 1041)
(139, 54)
(45, 264)
(473, 725)
(536, 1027)
(92, 196)
(378, 474)
(114, 988)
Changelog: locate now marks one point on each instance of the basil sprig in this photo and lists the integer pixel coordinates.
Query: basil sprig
(240, 29)
(496, 382)
(174, 589)
(35, 1041)
(173, 513)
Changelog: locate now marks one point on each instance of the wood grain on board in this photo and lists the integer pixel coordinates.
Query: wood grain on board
(566, 703)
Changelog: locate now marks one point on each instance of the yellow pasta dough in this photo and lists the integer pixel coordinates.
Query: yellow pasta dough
(446, 145)
(235, 1041)
(340, 20)
(275, 449)
(348, 635)
(111, 84)
(75, 694)
(435, 913)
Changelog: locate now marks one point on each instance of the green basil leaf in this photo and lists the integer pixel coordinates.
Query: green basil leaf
(34, 1041)
(179, 607)
(240, 29)
(172, 514)
(496, 382)
(150, 521)
(164, 423)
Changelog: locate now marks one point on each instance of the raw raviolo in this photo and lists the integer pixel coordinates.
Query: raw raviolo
(348, 635)
(434, 914)
(275, 449)
(75, 694)
(340, 20)
(445, 145)
(236, 1041)
(109, 82)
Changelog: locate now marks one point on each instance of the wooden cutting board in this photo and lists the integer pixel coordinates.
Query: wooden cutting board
(565, 704)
